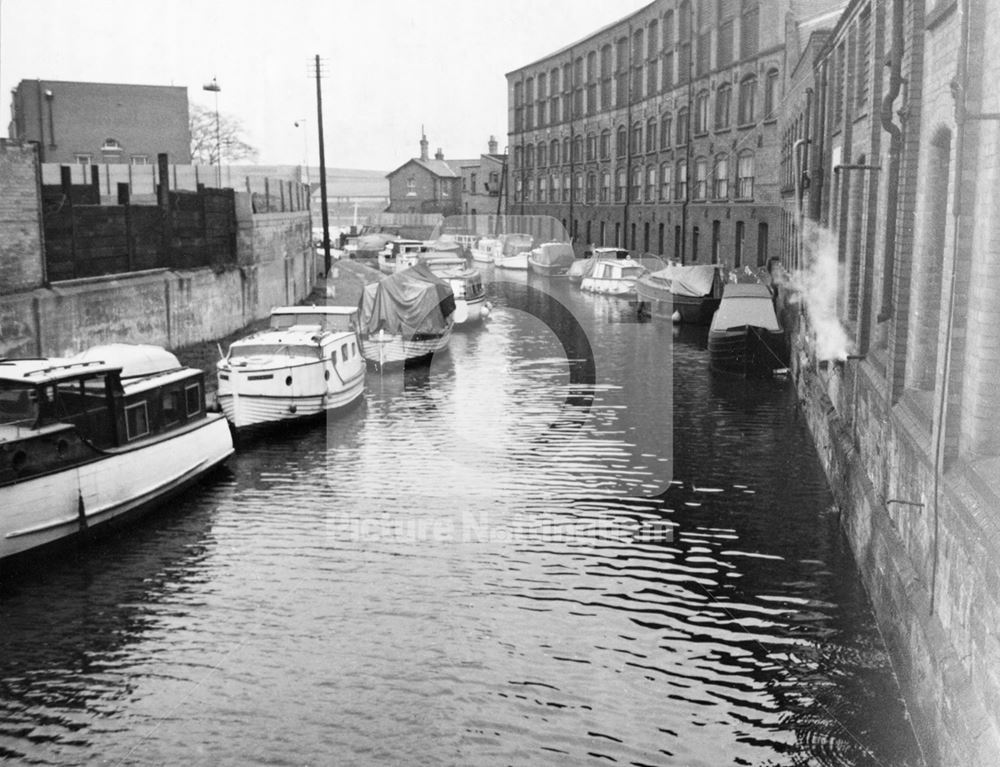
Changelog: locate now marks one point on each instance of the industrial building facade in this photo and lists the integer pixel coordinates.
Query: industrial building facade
(658, 133)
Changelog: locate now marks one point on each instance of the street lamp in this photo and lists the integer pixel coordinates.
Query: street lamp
(301, 123)
(213, 87)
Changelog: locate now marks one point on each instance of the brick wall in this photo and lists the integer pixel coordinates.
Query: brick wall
(21, 248)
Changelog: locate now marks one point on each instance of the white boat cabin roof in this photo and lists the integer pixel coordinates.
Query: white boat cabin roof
(341, 318)
(132, 361)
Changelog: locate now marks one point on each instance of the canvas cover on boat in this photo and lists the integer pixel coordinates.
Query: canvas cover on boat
(692, 280)
(136, 360)
(745, 304)
(553, 254)
(413, 300)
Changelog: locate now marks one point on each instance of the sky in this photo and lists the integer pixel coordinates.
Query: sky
(390, 66)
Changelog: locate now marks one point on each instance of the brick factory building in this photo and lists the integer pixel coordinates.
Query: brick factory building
(658, 133)
(85, 123)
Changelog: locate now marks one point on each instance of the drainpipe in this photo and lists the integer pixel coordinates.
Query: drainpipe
(817, 180)
(895, 149)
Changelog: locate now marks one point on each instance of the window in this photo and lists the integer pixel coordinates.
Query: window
(621, 72)
(542, 158)
(605, 187)
(748, 88)
(701, 113)
(716, 241)
(343, 352)
(749, 29)
(770, 92)
(354, 349)
(724, 55)
(529, 97)
(620, 186)
(605, 144)
(738, 244)
(591, 147)
(193, 399)
(529, 156)
(543, 190)
(744, 176)
(681, 189)
(591, 187)
(682, 126)
(650, 185)
(529, 190)
(861, 84)
(621, 141)
(704, 62)
(579, 187)
(636, 137)
(695, 236)
(636, 191)
(554, 151)
(666, 181)
(566, 150)
(651, 134)
(722, 98)
(82, 159)
(700, 178)
(721, 177)
(665, 127)
(566, 188)
(653, 40)
(578, 149)
(170, 406)
(762, 244)
(136, 420)
(139, 159)
(652, 84)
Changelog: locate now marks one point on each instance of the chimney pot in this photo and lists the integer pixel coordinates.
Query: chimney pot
(439, 155)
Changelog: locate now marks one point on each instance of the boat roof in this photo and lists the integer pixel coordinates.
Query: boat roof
(341, 310)
(298, 335)
(746, 290)
(132, 361)
(48, 369)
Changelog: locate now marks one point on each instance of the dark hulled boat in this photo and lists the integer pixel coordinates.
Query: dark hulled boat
(745, 338)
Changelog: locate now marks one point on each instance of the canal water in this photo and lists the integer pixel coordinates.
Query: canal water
(565, 542)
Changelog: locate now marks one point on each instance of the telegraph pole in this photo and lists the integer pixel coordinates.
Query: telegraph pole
(322, 170)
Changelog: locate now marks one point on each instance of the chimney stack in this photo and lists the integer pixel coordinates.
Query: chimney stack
(423, 144)
(439, 155)
(493, 145)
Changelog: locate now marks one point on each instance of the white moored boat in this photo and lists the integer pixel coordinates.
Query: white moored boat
(513, 251)
(308, 362)
(406, 317)
(485, 249)
(92, 440)
(612, 276)
(467, 285)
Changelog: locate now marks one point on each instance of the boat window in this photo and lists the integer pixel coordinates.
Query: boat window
(343, 352)
(192, 394)
(271, 350)
(18, 405)
(136, 420)
(354, 349)
(325, 321)
(171, 404)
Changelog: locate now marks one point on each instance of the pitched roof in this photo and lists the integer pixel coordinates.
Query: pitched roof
(437, 167)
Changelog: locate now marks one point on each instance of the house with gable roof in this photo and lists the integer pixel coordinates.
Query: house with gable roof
(425, 185)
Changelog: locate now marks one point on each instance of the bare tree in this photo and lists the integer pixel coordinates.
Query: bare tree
(205, 142)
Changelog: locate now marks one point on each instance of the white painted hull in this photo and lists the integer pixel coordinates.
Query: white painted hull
(470, 312)
(608, 287)
(392, 350)
(518, 261)
(482, 256)
(46, 509)
(248, 401)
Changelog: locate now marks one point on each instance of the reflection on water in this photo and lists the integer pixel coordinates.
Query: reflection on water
(564, 542)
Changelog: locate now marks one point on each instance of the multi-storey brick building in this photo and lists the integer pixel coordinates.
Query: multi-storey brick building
(481, 181)
(897, 129)
(88, 123)
(659, 132)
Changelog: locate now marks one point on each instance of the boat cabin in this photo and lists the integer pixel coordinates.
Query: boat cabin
(56, 413)
(332, 318)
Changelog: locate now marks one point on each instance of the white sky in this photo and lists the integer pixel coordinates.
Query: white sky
(392, 65)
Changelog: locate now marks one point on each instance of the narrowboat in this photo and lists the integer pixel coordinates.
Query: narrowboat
(551, 259)
(91, 441)
(745, 338)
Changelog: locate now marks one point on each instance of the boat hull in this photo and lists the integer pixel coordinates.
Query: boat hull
(696, 310)
(388, 351)
(518, 261)
(548, 270)
(747, 351)
(657, 299)
(608, 287)
(116, 486)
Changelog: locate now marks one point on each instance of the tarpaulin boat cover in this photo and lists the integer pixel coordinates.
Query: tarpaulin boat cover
(692, 280)
(375, 241)
(553, 254)
(746, 304)
(445, 246)
(409, 302)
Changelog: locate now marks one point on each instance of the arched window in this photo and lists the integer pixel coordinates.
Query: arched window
(682, 125)
(748, 89)
(744, 175)
(605, 186)
(542, 152)
(577, 148)
(529, 190)
(650, 183)
(665, 126)
(636, 137)
(720, 174)
(565, 150)
(701, 113)
(636, 191)
(518, 157)
(749, 29)
(542, 189)
(605, 144)
(680, 190)
(651, 134)
(591, 147)
(701, 178)
(554, 151)
(620, 185)
(770, 93)
(529, 156)
(666, 181)
(723, 96)
(591, 187)
(621, 141)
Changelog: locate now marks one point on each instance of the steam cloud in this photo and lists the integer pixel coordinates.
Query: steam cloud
(816, 289)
